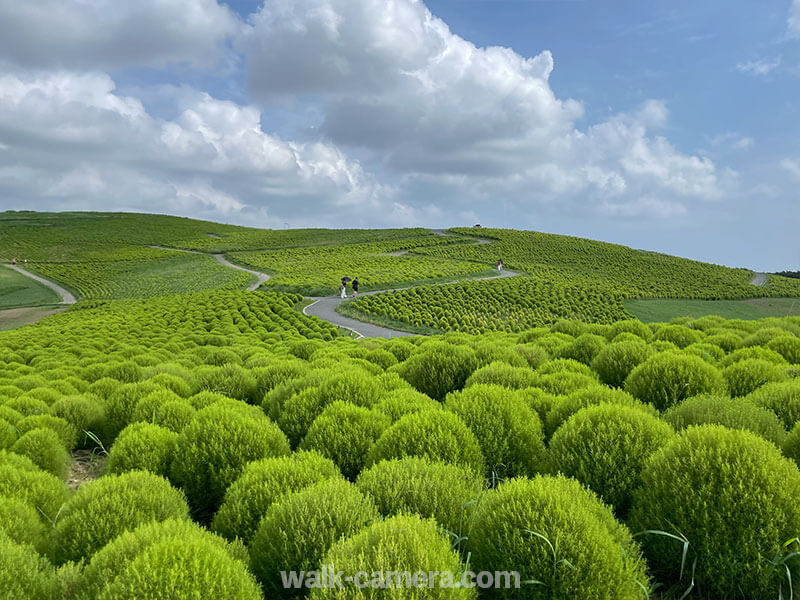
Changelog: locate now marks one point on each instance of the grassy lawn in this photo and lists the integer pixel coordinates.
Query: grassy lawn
(18, 290)
(651, 311)
(17, 317)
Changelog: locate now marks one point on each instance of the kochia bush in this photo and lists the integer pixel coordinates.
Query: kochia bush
(23, 524)
(439, 368)
(747, 375)
(399, 544)
(590, 396)
(102, 509)
(45, 449)
(143, 447)
(24, 574)
(605, 447)
(668, 378)
(781, 398)
(437, 435)
(415, 485)
(19, 478)
(402, 402)
(509, 433)
(83, 413)
(791, 446)
(532, 526)
(299, 528)
(214, 448)
(345, 433)
(500, 373)
(734, 498)
(615, 362)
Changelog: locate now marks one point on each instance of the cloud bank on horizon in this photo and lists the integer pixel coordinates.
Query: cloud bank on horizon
(332, 112)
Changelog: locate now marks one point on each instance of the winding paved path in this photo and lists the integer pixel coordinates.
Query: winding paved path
(759, 279)
(66, 297)
(261, 277)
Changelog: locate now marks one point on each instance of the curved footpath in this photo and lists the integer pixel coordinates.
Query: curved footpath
(66, 297)
(759, 279)
(261, 277)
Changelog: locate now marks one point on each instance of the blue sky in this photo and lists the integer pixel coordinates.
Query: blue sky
(668, 126)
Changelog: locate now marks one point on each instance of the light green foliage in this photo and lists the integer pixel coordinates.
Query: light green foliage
(791, 447)
(143, 447)
(534, 526)
(679, 335)
(261, 484)
(787, 346)
(437, 435)
(509, 433)
(299, 528)
(170, 559)
(64, 430)
(22, 524)
(102, 509)
(667, 378)
(584, 348)
(415, 485)
(500, 373)
(8, 434)
(710, 353)
(605, 447)
(214, 448)
(399, 544)
(398, 403)
(752, 352)
(564, 408)
(345, 433)
(735, 413)
(439, 368)
(230, 380)
(734, 498)
(781, 398)
(45, 449)
(27, 405)
(745, 376)
(20, 478)
(83, 413)
(616, 361)
(24, 575)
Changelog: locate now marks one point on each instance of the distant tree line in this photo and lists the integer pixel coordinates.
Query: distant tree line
(795, 274)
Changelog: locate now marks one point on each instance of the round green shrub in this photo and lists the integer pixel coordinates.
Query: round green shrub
(45, 449)
(791, 446)
(46, 394)
(121, 404)
(102, 509)
(399, 544)
(615, 361)
(781, 398)
(728, 342)
(173, 383)
(735, 413)
(126, 372)
(147, 407)
(271, 376)
(747, 375)
(27, 405)
(634, 326)
(438, 435)
(142, 447)
(439, 368)
(169, 559)
(382, 358)
(538, 401)
(24, 575)
(345, 433)
(22, 523)
(753, 352)
(590, 396)
(22, 480)
(679, 335)
(275, 399)
(415, 485)
(500, 373)
(509, 433)
(583, 349)
(203, 400)
(300, 411)
(605, 447)
(533, 354)
(667, 378)
(565, 365)
(570, 327)
(399, 403)
(788, 346)
(299, 528)
(174, 415)
(65, 431)
(708, 352)
(734, 498)
(261, 484)
(83, 413)
(521, 524)
(763, 336)
(230, 380)
(10, 415)
(214, 448)
(564, 383)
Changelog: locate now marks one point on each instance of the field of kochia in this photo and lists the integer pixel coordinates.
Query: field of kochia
(239, 438)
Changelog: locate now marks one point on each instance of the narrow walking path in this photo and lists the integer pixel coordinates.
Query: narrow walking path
(66, 296)
(325, 309)
(759, 279)
(260, 277)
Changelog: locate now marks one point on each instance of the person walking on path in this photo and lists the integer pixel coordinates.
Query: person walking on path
(500, 264)
(355, 287)
(343, 290)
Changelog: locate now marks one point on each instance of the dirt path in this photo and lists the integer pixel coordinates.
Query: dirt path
(66, 297)
(261, 277)
(759, 279)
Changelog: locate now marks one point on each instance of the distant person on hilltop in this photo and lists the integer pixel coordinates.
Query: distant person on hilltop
(355, 287)
(13, 261)
(500, 264)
